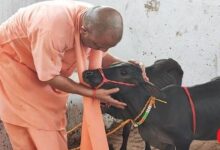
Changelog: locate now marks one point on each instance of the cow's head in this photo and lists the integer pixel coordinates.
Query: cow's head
(121, 72)
(134, 96)
(165, 72)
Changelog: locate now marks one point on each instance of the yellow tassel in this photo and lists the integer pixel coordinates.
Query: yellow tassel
(161, 101)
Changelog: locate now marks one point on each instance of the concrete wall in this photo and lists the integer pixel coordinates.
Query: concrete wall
(9, 7)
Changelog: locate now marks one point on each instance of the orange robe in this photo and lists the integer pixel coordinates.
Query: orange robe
(35, 49)
(36, 44)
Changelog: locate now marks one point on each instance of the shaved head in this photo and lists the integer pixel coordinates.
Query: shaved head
(103, 23)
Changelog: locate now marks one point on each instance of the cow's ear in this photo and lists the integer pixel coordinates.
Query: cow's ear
(154, 90)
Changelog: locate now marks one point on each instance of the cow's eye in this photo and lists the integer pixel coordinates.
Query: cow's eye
(123, 72)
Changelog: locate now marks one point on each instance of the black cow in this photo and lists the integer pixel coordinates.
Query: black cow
(162, 73)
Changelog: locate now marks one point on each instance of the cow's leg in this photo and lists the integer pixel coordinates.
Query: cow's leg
(125, 135)
(147, 146)
(168, 147)
(111, 147)
(183, 146)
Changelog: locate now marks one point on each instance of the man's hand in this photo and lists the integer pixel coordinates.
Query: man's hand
(70, 86)
(105, 97)
(142, 66)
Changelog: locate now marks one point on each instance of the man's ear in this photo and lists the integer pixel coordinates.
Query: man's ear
(83, 31)
(83, 28)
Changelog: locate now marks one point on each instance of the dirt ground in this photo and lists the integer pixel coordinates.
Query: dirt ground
(135, 142)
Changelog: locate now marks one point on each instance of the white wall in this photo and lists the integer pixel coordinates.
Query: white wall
(186, 30)
(9, 7)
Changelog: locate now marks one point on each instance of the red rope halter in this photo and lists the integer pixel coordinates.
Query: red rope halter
(192, 108)
(105, 80)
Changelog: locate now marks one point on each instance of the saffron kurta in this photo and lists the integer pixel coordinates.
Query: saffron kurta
(36, 44)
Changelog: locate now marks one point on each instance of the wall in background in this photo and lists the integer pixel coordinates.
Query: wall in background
(9, 7)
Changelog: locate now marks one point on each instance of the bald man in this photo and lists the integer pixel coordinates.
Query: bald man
(37, 55)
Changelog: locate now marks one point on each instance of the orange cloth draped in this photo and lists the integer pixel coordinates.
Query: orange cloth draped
(93, 132)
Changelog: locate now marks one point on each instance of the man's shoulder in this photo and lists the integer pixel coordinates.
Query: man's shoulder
(50, 13)
(56, 8)
(58, 4)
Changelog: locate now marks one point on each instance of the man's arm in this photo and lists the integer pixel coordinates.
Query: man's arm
(70, 86)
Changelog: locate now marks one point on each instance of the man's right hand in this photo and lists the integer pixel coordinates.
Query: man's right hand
(105, 97)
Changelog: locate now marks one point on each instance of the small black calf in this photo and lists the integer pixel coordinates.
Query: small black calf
(162, 73)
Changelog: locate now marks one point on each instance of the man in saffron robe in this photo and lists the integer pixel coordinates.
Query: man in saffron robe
(37, 55)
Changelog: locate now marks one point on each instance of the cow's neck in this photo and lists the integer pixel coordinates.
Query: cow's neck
(136, 102)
